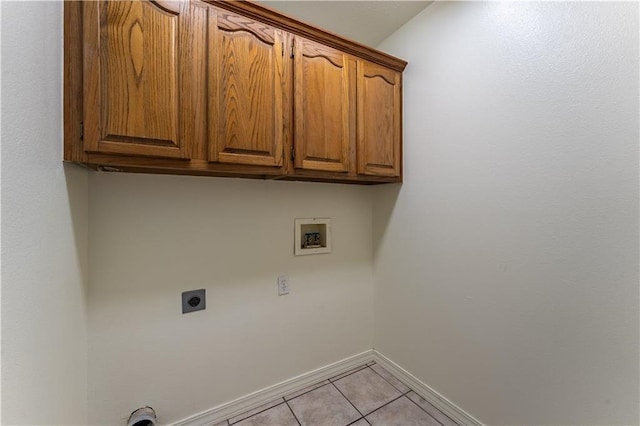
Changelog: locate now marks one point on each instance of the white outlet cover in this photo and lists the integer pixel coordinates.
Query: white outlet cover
(283, 285)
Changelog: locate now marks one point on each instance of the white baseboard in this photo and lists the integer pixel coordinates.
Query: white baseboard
(454, 412)
(258, 398)
(253, 400)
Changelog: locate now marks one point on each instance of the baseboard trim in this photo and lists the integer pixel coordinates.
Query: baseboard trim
(258, 398)
(238, 406)
(454, 412)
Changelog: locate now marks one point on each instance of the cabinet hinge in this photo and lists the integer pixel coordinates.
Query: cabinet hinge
(293, 153)
(81, 130)
(282, 48)
(292, 50)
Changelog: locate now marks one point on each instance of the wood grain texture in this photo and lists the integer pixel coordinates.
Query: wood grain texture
(379, 120)
(139, 69)
(131, 71)
(233, 97)
(353, 114)
(246, 75)
(123, 163)
(231, 22)
(293, 26)
(287, 105)
(73, 99)
(192, 70)
(322, 109)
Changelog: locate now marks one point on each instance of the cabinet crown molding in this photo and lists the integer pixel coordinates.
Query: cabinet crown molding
(229, 89)
(292, 25)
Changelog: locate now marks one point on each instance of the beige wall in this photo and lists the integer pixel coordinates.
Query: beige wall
(44, 229)
(506, 266)
(153, 237)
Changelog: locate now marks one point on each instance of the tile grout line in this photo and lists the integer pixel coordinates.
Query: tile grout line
(255, 414)
(317, 387)
(348, 400)
(407, 392)
(294, 414)
(384, 405)
(429, 412)
(339, 377)
(284, 400)
(356, 421)
(332, 382)
(385, 379)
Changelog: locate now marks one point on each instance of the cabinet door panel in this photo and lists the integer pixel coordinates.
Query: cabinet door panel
(132, 86)
(379, 120)
(322, 134)
(246, 112)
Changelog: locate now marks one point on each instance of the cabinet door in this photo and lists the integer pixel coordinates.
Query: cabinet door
(246, 99)
(132, 88)
(322, 107)
(379, 120)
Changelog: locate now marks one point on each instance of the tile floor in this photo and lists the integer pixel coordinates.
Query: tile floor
(367, 395)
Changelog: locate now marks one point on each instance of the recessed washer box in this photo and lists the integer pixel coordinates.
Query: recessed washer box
(312, 236)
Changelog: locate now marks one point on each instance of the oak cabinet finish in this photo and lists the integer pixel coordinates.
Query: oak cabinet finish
(246, 101)
(226, 89)
(323, 104)
(132, 86)
(379, 125)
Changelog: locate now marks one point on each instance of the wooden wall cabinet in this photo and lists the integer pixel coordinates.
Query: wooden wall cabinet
(246, 109)
(226, 89)
(379, 120)
(132, 52)
(323, 105)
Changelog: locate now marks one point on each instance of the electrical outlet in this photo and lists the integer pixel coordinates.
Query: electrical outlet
(283, 285)
(194, 300)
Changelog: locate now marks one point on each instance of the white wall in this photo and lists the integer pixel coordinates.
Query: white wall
(506, 266)
(153, 237)
(44, 229)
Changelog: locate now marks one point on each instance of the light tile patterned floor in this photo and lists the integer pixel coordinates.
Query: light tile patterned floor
(367, 395)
